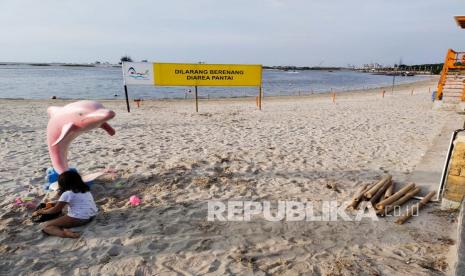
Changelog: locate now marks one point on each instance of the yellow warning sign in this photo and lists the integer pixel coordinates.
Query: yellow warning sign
(182, 74)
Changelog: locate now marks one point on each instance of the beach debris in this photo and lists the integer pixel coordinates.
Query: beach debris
(372, 191)
(389, 191)
(384, 199)
(395, 196)
(333, 186)
(404, 217)
(389, 208)
(134, 200)
(202, 181)
(358, 197)
(380, 193)
(446, 241)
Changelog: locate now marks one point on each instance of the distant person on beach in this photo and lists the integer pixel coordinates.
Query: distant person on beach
(81, 206)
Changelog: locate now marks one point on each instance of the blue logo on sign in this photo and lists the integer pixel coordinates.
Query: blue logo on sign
(132, 73)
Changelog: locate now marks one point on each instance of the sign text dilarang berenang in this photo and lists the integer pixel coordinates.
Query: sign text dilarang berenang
(177, 74)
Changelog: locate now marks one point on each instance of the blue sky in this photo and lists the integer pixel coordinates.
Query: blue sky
(269, 32)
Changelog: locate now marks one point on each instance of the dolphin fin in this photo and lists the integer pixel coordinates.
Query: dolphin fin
(108, 129)
(64, 131)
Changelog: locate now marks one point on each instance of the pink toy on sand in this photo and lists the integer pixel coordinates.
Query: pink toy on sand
(28, 202)
(18, 201)
(134, 200)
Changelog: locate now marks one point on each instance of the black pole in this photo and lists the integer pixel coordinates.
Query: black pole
(196, 101)
(127, 99)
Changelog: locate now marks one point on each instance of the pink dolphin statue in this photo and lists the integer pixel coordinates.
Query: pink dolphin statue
(67, 122)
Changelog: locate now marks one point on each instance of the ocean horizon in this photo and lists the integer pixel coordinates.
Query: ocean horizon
(106, 82)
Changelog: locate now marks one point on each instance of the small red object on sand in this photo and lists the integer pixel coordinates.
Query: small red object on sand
(134, 200)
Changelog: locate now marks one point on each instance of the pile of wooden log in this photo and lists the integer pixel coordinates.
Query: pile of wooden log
(385, 200)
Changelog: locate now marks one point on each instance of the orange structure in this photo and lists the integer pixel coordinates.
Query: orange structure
(451, 86)
(460, 21)
(453, 64)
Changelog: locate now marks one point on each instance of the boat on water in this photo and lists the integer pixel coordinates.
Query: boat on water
(408, 74)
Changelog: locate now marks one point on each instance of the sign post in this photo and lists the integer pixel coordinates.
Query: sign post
(127, 98)
(196, 100)
(192, 74)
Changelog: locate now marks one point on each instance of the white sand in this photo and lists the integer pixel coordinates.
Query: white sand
(176, 160)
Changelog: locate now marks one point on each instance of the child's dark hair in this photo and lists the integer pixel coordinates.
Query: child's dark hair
(72, 181)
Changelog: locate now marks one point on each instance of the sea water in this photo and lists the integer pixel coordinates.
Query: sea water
(43, 82)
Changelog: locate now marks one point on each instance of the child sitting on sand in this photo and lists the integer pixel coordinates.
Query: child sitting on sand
(81, 206)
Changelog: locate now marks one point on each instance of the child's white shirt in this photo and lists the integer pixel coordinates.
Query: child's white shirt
(80, 205)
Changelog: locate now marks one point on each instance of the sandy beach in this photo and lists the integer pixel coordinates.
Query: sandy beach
(303, 148)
